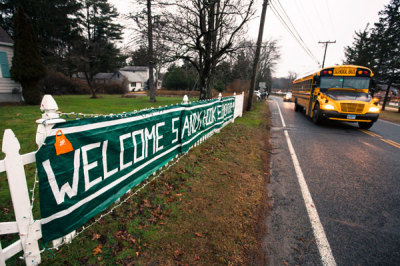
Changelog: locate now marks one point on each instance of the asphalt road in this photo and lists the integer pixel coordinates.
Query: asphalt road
(353, 178)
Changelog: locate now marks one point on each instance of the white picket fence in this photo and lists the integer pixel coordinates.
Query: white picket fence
(28, 229)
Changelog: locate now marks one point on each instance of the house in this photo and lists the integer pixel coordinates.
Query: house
(137, 77)
(103, 78)
(10, 91)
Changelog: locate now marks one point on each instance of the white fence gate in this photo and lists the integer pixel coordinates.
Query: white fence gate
(29, 230)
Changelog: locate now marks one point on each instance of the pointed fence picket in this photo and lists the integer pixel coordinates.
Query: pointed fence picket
(28, 229)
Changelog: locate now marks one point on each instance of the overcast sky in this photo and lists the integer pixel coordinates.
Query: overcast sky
(314, 20)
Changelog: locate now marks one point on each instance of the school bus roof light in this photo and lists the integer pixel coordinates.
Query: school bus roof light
(326, 72)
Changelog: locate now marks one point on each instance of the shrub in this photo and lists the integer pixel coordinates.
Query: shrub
(56, 83)
(113, 87)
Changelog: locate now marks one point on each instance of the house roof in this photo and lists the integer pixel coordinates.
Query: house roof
(103, 75)
(135, 68)
(135, 76)
(4, 37)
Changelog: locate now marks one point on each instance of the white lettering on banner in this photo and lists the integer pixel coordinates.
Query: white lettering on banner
(135, 145)
(105, 168)
(147, 137)
(121, 155)
(175, 130)
(185, 127)
(209, 116)
(159, 137)
(89, 166)
(59, 194)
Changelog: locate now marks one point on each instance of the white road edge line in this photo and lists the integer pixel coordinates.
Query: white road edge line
(381, 120)
(324, 248)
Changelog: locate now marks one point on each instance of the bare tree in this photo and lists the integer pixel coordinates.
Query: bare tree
(204, 32)
(244, 57)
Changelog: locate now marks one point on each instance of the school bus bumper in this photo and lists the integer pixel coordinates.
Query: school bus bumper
(334, 115)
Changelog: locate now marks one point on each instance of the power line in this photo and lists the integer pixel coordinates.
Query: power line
(306, 21)
(296, 36)
(330, 18)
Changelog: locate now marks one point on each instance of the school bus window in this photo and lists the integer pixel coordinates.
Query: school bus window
(344, 82)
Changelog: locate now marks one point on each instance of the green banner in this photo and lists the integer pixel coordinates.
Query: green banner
(100, 159)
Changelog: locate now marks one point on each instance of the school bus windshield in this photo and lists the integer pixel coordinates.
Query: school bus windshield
(344, 82)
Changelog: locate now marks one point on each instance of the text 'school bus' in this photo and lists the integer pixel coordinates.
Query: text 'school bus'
(337, 93)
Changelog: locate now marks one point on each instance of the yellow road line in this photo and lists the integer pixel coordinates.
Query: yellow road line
(370, 133)
(388, 141)
(394, 143)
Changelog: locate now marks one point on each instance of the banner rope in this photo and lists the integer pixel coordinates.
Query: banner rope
(148, 181)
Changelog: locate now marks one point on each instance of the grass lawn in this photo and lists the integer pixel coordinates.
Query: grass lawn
(390, 115)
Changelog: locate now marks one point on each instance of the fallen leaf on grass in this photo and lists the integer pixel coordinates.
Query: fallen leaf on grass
(177, 253)
(146, 204)
(96, 236)
(97, 250)
(198, 234)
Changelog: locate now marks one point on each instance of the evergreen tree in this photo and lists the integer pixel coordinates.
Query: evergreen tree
(386, 37)
(179, 78)
(95, 51)
(379, 49)
(54, 22)
(27, 66)
(362, 50)
(140, 57)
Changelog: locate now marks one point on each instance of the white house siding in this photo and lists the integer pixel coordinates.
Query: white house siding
(7, 85)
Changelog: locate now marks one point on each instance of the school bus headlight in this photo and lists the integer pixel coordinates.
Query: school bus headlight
(328, 107)
(373, 109)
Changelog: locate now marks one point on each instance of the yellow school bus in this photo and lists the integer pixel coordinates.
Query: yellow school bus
(337, 93)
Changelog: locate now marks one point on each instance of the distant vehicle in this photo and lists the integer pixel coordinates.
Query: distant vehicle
(337, 93)
(287, 97)
(261, 95)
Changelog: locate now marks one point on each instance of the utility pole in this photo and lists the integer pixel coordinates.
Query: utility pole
(257, 55)
(151, 53)
(326, 46)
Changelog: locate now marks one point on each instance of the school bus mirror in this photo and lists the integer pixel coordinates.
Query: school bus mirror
(317, 79)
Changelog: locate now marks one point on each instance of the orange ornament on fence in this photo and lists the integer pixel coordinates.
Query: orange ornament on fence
(62, 144)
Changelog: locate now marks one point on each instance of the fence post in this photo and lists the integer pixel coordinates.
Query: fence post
(29, 230)
(220, 96)
(234, 110)
(2, 257)
(185, 99)
(50, 117)
(241, 107)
